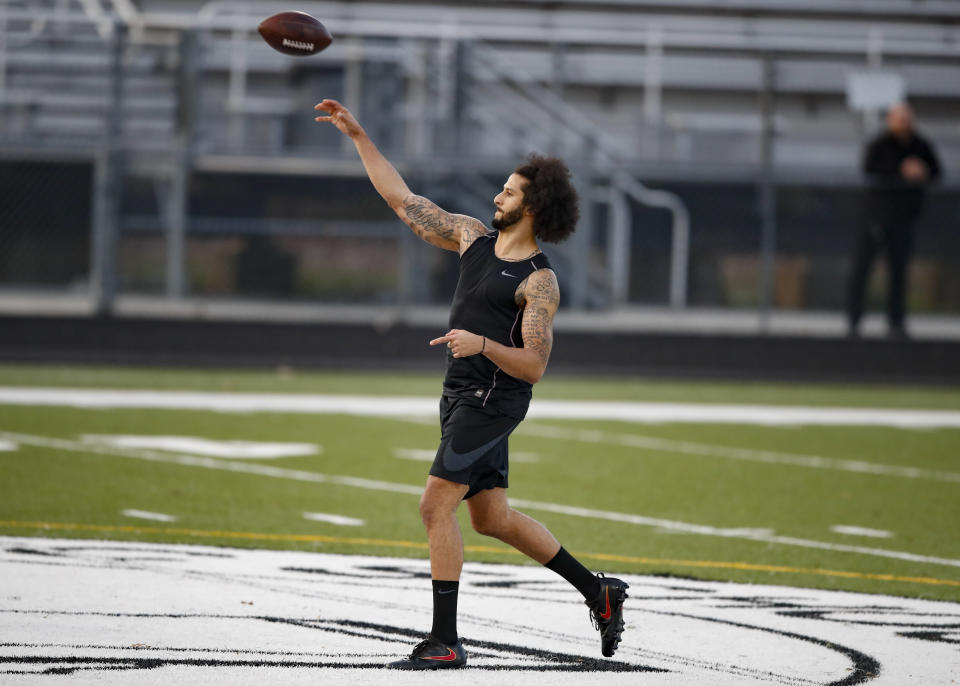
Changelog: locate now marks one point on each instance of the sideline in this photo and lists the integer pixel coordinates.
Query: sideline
(369, 542)
(398, 406)
(758, 535)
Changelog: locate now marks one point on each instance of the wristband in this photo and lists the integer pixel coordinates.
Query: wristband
(484, 347)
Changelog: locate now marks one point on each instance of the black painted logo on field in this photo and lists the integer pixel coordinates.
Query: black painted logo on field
(499, 656)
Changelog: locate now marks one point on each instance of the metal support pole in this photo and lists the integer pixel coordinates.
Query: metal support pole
(3, 52)
(237, 86)
(177, 198)
(618, 245)
(446, 90)
(653, 91)
(107, 186)
(407, 270)
(353, 88)
(417, 97)
(558, 66)
(462, 59)
(581, 242)
(767, 193)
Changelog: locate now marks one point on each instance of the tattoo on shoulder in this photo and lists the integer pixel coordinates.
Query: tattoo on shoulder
(470, 231)
(433, 224)
(542, 288)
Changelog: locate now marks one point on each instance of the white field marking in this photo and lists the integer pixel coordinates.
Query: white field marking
(391, 487)
(861, 531)
(212, 463)
(741, 533)
(709, 450)
(339, 520)
(418, 454)
(239, 450)
(400, 406)
(144, 514)
(426, 455)
(61, 611)
(8, 446)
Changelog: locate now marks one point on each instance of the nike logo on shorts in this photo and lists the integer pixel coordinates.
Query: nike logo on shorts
(455, 462)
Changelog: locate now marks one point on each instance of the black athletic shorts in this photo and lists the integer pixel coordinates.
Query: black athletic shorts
(473, 444)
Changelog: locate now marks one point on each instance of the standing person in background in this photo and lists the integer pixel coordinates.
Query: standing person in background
(900, 164)
(498, 345)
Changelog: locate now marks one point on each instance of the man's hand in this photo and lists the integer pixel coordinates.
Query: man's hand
(461, 343)
(339, 116)
(914, 169)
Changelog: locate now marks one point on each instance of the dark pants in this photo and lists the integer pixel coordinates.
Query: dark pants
(895, 238)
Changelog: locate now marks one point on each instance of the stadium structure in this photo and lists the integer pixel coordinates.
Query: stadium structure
(169, 197)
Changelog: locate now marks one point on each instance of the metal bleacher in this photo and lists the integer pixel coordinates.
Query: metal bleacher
(635, 94)
(704, 58)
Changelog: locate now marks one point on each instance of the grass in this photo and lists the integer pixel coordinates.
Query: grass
(87, 491)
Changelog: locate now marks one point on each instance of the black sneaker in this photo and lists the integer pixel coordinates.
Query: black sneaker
(432, 654)
(606, 611)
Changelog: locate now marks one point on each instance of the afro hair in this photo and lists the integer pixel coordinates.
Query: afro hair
(550, 196)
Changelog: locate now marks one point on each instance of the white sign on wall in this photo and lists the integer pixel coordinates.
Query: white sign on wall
(869, 91)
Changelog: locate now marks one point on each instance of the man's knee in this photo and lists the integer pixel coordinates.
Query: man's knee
(489, 523)
(431, 509)
(437, 503)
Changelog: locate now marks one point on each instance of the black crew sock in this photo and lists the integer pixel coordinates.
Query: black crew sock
(445, 611)
(566, 565)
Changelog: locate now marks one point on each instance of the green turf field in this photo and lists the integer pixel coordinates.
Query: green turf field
(66, 489)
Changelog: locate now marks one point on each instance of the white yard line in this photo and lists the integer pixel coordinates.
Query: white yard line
(339, 520)
(395, 406)
(144, 514)
(712, 450)
(427, 455)
(760, 535)
(860, 531)
(211, 463)
(234, 450)
(418, 454)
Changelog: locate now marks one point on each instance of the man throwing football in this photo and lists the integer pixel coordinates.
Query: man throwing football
(498, 345)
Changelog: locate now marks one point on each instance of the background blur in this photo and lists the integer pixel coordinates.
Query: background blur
(161, 163)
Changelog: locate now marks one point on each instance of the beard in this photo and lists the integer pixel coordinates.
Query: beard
(507, 219)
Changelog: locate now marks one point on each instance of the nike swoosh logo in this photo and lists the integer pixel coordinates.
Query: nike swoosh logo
(452, 590)
(456, 462)
(506, 273)
(606, 615)
(446, 658)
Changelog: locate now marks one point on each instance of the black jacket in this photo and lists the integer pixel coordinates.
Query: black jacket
(890, 198)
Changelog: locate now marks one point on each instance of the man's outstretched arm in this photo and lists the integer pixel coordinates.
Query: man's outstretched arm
(434, 225)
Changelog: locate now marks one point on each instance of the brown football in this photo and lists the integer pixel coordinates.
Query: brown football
(295, 33)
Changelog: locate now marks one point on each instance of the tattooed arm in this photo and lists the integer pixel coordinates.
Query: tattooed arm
(539, 295)
(439, 227)
(432, 224)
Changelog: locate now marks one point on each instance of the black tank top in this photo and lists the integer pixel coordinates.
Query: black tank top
(484, 303)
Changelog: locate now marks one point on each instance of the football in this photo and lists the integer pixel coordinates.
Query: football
(295, 33)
